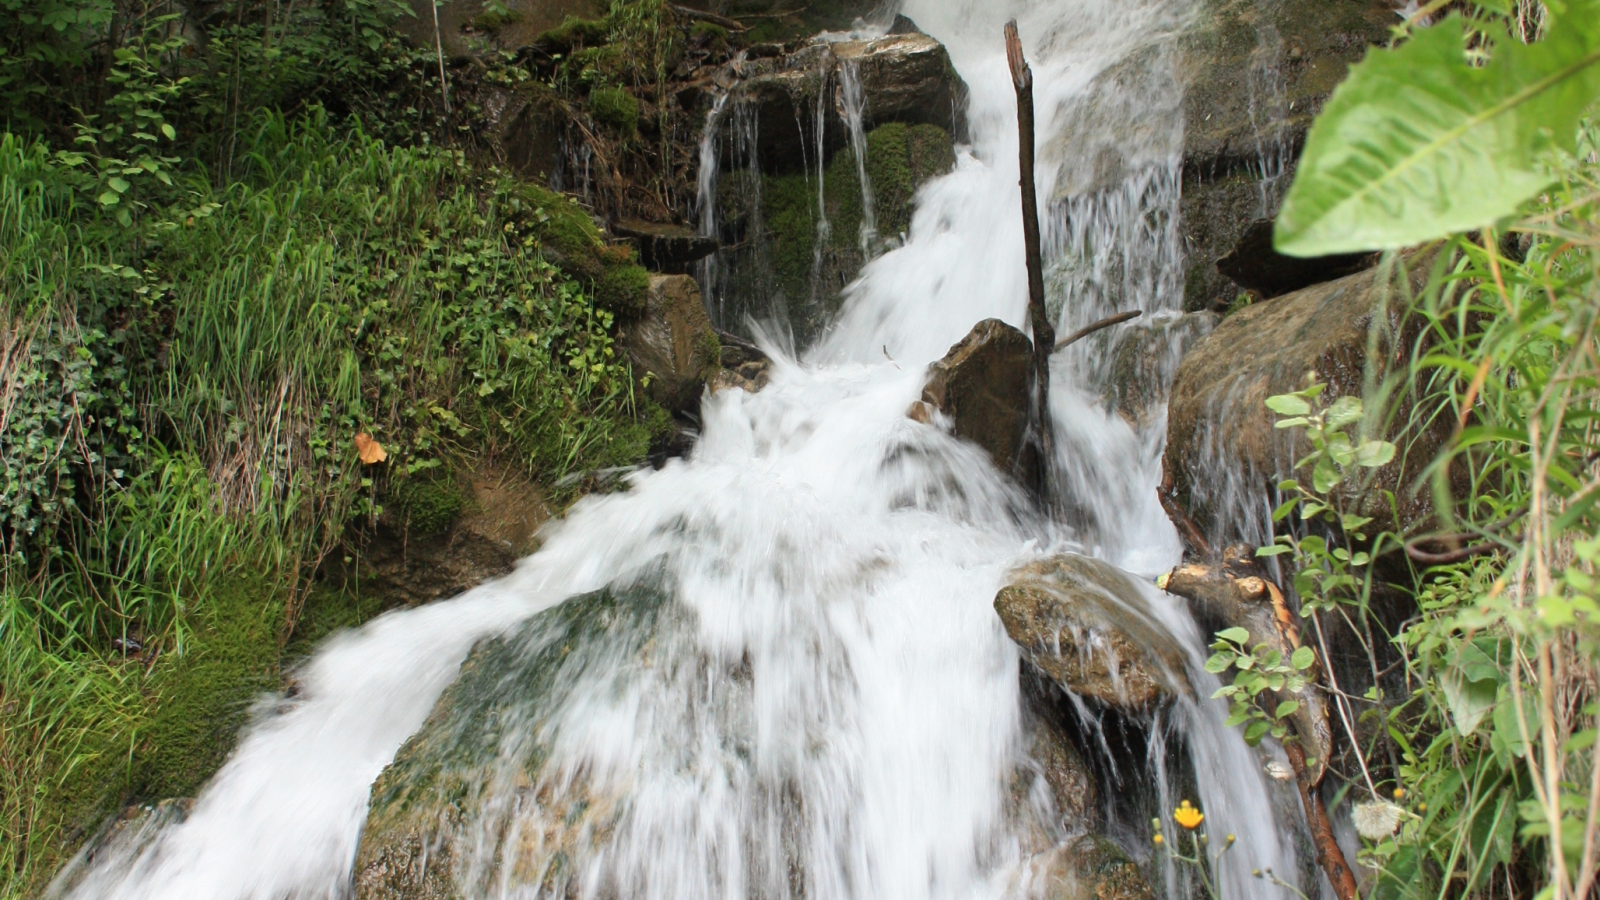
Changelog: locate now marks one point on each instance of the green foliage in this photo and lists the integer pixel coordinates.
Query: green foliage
(1388, 162)
(1259, 671)
(429, 502)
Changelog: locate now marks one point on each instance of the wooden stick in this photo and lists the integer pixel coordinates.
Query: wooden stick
(713, 18)
(1087, 330)
(1044, 334)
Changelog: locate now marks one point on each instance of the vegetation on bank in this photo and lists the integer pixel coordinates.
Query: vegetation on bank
(253, 292)
(1470, 768)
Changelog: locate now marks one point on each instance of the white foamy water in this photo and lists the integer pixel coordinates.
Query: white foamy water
(828, 706)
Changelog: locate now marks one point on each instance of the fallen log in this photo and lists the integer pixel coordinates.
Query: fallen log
(1087, 330)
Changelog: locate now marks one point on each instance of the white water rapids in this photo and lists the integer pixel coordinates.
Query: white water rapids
(843, 556)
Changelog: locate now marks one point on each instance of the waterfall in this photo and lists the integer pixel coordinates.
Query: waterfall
(801, 689)
(853, 105)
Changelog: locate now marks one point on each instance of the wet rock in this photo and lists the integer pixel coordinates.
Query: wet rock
(982, 388)
(1090, 867)
(1256, 76)
(1083, 623)
(666, 248)
(467, 800)
(673, 343)
(1074, 796)
(744, 365)
(1223, 453)
(1255, 265)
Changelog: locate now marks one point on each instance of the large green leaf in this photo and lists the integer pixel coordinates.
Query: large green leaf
(1418, 143)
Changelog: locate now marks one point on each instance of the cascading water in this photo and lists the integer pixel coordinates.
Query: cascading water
(854, 104)
(798, 687)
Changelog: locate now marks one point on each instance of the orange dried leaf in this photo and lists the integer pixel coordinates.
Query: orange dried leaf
(371, 451)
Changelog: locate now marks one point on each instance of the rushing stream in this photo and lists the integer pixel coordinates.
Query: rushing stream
(826, 706)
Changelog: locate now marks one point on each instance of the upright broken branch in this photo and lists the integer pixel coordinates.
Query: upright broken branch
(1044, 334)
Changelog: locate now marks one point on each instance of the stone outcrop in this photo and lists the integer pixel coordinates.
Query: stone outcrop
(1085, 626)
(903, 78)
(1223, 452)
(665, 248)
(981, 388)
(440, 536)
(1256, 75)
(673, 346)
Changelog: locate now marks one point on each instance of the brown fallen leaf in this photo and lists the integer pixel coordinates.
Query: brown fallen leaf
(371, 451)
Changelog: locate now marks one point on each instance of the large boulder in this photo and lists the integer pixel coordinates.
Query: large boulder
(1257, 266)
(673, 346)
(1224, 456)
(469, 794)
(981, 389)
(1256, 74)
(1144, 360)
(1086, 626)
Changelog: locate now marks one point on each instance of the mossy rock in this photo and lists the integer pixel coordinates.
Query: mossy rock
(571, 240)
(615, 108)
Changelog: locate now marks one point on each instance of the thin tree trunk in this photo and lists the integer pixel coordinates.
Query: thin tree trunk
(1044, 334)
(1329, 856)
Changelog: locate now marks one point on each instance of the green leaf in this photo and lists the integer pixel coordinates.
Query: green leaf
(1255, 731)
(1286, 708)
(1234, 635)
(1373, 454)
(1344, 411)
(1219, 663)
(120, 185)
(109, 198)
(1418, 142)
(1303, 658)
(169, 131)
(1324, 477)
(1469, 701)
(1288, 405)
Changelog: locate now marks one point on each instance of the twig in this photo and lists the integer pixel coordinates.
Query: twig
(1107, 322)
(1044, 334)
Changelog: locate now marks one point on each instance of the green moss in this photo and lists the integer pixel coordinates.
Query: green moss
(709, 34)
(1239, 302)
(428, 502)
(494, 19)
(708, 354)
(615, 108)
(204, 697)
(623, 290)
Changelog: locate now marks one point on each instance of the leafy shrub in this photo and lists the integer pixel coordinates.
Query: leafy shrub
(615, 108)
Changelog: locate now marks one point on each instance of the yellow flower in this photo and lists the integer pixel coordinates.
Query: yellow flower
(1187, 816)
(1157, 839)
(1399, 793)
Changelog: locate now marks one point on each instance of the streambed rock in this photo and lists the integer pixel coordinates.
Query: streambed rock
(981, 388)
(1084, 625)
(1089, 867)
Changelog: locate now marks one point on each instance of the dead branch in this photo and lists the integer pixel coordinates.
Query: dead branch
(1087, 330)
(1044, 334)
